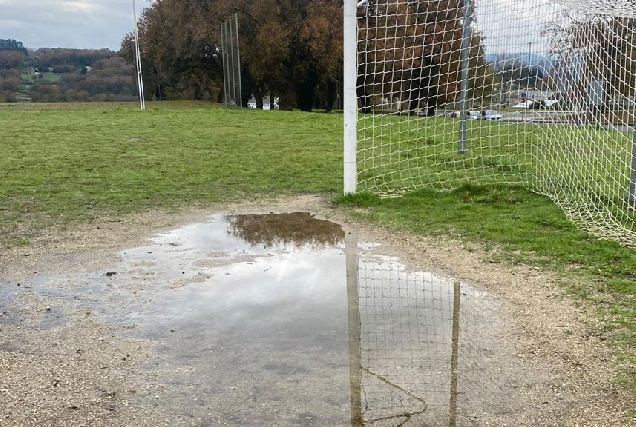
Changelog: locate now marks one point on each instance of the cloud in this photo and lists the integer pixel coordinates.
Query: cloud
(67, 23)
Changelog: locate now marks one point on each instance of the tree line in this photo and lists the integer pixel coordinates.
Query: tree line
(293, 49)
(289, 48)
(57, 75)
(109, 79)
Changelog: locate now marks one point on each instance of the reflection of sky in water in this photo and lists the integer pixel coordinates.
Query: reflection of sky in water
(245, 289)
(219, 278)
(247, 317)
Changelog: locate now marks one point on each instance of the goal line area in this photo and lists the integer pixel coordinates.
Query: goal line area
(537, 93)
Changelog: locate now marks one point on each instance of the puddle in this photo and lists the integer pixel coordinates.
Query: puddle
(278, 319)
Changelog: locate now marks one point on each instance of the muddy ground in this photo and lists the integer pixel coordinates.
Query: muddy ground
(62, 364)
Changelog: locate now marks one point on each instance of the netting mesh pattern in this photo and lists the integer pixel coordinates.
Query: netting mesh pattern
(535, 93)
(624, 8)
(425, 347)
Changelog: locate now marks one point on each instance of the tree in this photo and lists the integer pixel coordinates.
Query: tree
(109, 80)
(288, 47)
(595, 51)
(43, 59)
(412, 49)
(178, 43)
(44, 91)
(293, 46)
(11, 60)
(12, 45)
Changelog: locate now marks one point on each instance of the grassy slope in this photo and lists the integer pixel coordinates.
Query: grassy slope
(60, 164)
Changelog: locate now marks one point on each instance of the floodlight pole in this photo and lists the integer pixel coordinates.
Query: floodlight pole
(140, 80)
(465, 65)
(349, 96)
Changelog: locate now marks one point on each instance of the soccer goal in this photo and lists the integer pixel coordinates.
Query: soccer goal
(536, 93)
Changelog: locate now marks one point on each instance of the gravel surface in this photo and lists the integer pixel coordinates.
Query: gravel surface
(61, 366)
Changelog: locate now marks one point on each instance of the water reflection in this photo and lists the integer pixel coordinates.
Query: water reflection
(299, 228)
(416, 343)
(254, 319)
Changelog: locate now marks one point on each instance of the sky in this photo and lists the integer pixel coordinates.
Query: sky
(513, 26)
(509, 25)
(93, 24)
(82, 24)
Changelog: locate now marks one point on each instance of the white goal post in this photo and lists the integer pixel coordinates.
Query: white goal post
(140, 80)
(538, 93)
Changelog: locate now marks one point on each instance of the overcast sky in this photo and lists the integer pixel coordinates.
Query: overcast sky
(509, 25)
(89, 24)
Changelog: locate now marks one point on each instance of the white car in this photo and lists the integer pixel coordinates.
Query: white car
(473, 115)
(491, 115)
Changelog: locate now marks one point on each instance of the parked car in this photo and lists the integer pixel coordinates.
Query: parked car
(473, 115)
(491, 115)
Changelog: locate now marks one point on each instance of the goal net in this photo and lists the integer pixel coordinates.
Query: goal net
(422, 347)
(537, 93)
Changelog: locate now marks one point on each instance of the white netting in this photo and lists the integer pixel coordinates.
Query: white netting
(624, 8)
(426, 347)
(550, 84)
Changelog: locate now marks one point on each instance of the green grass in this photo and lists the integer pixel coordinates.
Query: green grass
(49, 77)
(66, 164)
(62, 165)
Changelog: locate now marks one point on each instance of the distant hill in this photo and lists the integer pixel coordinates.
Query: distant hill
(532, 59)
(58, 75)
(500, 60)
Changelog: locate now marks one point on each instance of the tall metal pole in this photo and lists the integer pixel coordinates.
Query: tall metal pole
(350, 97)
(224, 59)
(465, 64)
(632, 174)
(140, 80)
(230, 35)
(526, 114)
(238, 62)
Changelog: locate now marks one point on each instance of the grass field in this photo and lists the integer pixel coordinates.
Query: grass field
(49, 77)
(62, 165)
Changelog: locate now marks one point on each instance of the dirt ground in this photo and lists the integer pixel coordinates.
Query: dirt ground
(62, 366)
